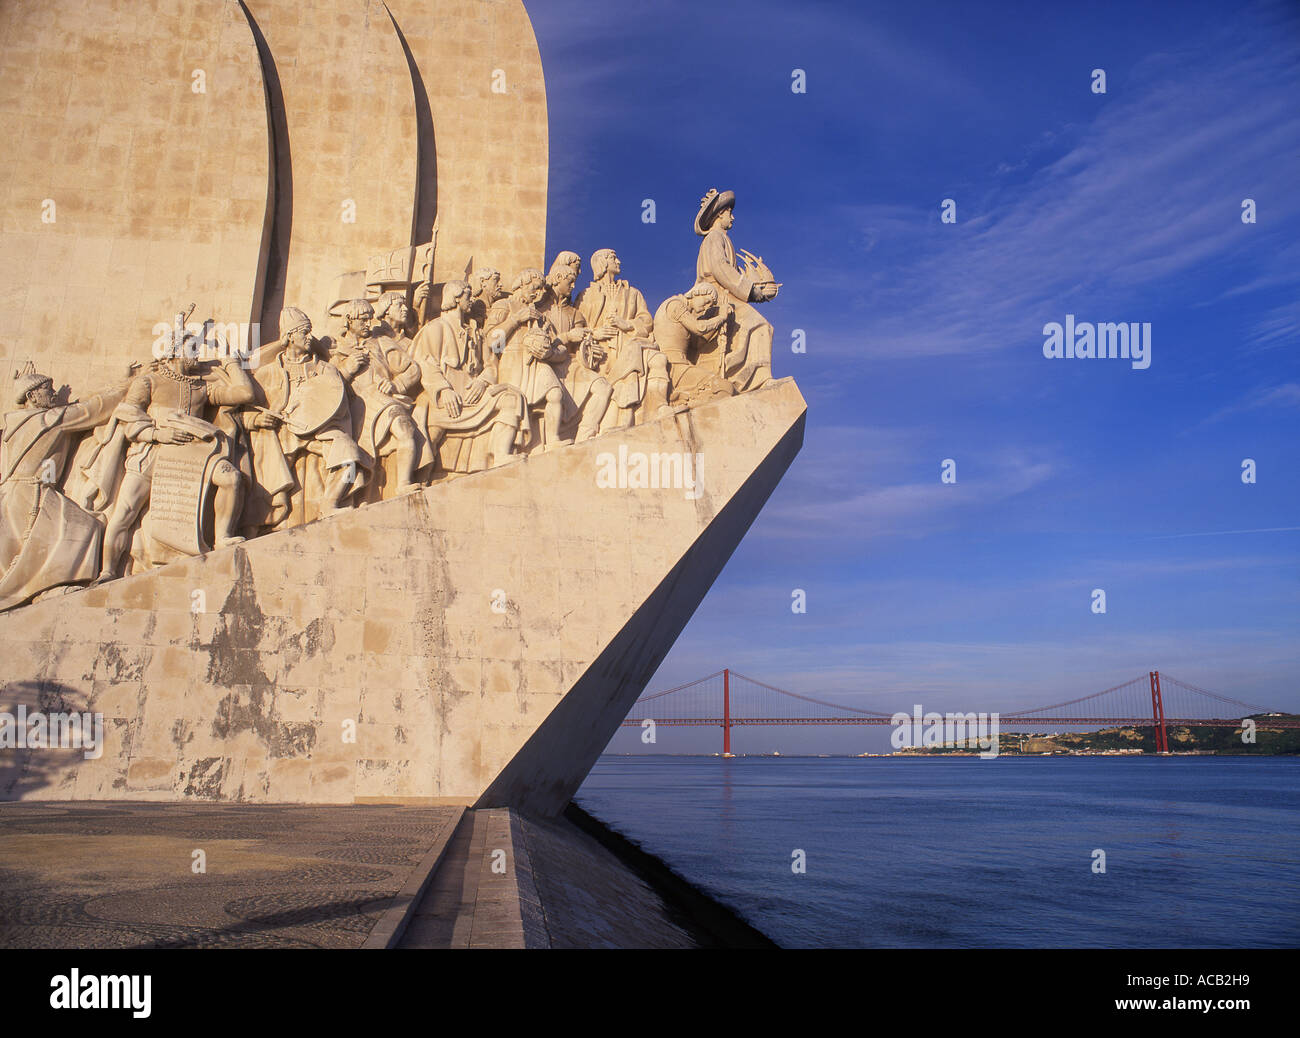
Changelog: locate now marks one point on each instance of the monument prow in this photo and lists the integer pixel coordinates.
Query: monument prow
(476, 642)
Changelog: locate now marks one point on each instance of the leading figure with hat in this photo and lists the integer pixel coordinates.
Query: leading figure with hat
(748, 361)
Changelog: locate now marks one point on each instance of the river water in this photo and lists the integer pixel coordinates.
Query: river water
(970, 853)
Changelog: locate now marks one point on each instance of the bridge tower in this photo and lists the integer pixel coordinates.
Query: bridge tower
(1158, 714)
(726, 712)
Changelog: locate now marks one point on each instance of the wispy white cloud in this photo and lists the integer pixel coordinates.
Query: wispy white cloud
(1020, 636)
(843, 489)
(1148, 193)
(1279, 326)
(1284, 271)
(1226, 533)
(1286, 394)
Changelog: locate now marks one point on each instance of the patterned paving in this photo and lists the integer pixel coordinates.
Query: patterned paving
(123, 875)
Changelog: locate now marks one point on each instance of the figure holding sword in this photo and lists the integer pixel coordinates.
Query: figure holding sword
(163, 409)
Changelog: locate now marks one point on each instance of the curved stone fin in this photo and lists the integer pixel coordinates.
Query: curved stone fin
(349, 112)
(487, 96)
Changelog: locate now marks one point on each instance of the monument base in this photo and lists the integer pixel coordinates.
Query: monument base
(477, 642)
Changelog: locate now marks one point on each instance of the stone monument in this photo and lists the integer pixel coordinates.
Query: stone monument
(319, 546)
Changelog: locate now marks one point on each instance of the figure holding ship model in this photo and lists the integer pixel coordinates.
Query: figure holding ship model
(747, 358)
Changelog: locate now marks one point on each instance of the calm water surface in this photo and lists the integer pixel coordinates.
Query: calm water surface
(963, 853)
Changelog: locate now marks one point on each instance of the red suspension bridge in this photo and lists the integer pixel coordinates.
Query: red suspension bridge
(729, 700)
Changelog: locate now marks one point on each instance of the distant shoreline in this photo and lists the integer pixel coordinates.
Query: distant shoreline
(942, 754)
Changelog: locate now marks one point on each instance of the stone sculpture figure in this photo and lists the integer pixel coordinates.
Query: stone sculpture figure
(162, 413)
(301, 411)
(46, 539)
(470, 419)
(528, 349)
(394, 317)
(748, 360)
(384, 379)
(579, 368)
(688, 337)
(485, 284)
(619, 318)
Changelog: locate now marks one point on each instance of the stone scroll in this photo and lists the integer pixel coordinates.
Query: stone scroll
(180, 480)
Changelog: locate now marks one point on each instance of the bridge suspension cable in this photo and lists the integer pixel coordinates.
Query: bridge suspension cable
(1155, 700)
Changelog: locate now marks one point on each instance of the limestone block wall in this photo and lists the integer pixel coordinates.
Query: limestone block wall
(124, 193)
(477, 642)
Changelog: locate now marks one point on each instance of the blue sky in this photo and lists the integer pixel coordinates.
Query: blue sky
(925, 338)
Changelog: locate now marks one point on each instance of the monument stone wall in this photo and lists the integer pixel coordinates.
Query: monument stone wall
(207, 151)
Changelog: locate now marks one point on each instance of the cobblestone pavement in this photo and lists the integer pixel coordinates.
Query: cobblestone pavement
(126, 875)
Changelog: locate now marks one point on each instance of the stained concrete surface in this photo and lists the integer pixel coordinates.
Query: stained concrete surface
(515, 881)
